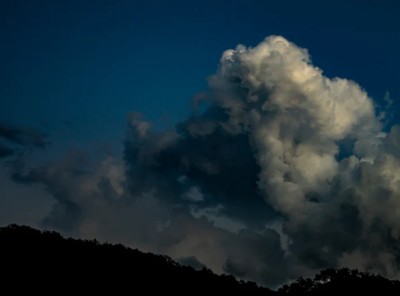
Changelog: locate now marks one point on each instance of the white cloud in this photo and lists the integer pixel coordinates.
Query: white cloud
(297, 119)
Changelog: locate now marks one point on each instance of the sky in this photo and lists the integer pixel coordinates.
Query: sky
(237, 135)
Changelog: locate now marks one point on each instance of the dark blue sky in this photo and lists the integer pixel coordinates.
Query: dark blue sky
(76, 68)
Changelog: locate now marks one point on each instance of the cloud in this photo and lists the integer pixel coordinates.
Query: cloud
(298, 120)
(22, 204)
(13, 139)
(88, 204)
(22, 136)
(193, 194)
(285, 172)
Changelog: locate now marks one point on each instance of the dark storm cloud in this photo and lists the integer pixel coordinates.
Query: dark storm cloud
(167, 196)
(219, 163)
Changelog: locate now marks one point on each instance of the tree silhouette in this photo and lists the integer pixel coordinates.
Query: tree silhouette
(44, 261)
(338, 281)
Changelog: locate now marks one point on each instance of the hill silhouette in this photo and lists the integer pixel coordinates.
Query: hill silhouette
(45, 258)
(33, 260)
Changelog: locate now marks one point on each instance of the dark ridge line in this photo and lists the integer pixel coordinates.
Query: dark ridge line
(32, 256)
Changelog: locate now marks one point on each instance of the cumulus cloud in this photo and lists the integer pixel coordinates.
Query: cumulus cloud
(298, 121)
(286, 172)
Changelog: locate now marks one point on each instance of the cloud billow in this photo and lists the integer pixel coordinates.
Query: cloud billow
(337, 211)
(285, 172)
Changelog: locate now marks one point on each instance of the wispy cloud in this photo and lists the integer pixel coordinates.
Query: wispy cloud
(13, 138)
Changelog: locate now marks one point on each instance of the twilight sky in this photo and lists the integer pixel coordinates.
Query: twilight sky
(258, 138)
